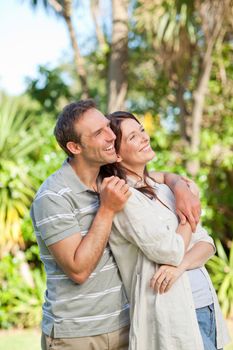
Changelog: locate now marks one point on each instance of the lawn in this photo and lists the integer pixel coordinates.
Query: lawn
(20, 340)
(30, 340)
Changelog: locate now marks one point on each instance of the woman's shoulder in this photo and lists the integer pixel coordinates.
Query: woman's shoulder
(138, 199)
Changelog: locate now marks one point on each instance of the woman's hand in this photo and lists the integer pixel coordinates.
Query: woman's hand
(165, 277)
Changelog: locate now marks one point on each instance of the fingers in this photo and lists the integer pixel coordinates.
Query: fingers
(114, 194)
(154, 279)
(192, 221)
(187, 205)
(120, 187)
(106, 181)
(182, 217)
(196, 214)
(113, 182)
(164, 278)
(162, 284)
(160, 280)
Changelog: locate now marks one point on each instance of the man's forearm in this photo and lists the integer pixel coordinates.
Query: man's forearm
(91, 248)
(79, 256)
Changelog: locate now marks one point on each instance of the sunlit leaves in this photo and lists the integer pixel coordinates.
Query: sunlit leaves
(167, 20)
(221, 268)
(18, 138)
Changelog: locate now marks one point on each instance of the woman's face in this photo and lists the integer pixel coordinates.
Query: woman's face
(135, 150)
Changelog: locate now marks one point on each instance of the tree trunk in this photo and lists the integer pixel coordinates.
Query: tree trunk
(99, 32)
(212, 14)
(184, 116)
(78, 59)
(117, 75)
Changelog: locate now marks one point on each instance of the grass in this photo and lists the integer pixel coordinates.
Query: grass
(30, 339)
(20, 339)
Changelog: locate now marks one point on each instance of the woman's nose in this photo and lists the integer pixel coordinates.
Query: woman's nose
(145, 137)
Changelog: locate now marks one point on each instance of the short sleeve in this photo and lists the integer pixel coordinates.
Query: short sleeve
(54, 218)
(201, 235)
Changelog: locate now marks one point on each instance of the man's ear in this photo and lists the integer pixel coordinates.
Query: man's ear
(119, 159)
(74, 147)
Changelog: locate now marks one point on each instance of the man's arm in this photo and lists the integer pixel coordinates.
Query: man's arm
(187, 203)
(196, 257)
(79, 256)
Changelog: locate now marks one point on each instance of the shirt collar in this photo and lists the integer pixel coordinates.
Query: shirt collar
(73, 179)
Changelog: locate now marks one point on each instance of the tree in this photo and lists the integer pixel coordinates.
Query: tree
(64, 8)
(185, 34)
(95, 15)
(212, 14)
(49, 89)
(117, 75)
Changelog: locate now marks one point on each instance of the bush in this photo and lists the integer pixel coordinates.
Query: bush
(20, 302)
(221, 272)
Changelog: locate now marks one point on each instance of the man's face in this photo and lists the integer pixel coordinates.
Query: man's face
(97, 138)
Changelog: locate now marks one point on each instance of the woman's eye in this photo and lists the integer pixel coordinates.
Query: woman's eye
(132, 137)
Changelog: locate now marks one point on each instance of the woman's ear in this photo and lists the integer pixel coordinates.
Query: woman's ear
(119, 159)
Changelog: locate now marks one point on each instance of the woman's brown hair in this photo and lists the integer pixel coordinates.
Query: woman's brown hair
(117, 169)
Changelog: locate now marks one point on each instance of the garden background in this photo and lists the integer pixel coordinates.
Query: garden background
(168, 61)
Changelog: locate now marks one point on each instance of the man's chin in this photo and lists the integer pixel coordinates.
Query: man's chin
(111, 159)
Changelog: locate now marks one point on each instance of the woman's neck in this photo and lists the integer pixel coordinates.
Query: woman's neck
(137, 173)
(138, 179)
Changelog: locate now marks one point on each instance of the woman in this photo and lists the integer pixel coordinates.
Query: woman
(146, 235)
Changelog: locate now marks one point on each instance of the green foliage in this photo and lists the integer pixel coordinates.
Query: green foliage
(20, 304)
(169, 24)
(29, 154)
(50, 89)
(221, 270)
(18, 139)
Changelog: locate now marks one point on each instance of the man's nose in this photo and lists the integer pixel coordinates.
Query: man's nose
(110, 135)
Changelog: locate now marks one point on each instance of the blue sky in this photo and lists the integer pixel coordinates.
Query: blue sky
(29, 38)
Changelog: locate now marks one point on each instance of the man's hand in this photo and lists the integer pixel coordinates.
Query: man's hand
(114, 193)
(191, 184)
(165, 277)
(187, 204)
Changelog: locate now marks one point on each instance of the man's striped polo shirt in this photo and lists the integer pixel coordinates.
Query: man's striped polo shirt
(62, 207)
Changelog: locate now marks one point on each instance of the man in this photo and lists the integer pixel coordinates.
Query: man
(85, 304)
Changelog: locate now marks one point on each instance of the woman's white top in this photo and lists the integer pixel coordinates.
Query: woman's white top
(201, 291)
(143, 236)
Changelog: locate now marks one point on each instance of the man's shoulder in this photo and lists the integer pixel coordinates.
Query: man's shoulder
(54, 188)
(54, 183)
